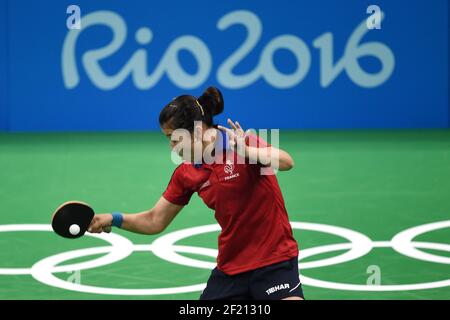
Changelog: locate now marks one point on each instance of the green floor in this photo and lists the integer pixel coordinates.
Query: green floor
(376, 183)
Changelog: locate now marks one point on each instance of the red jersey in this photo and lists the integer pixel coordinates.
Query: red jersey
(248, 206)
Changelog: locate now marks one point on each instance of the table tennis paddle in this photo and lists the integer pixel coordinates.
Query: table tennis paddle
(72, 219)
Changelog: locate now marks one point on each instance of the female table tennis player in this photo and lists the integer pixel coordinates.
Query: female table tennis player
(258, 255)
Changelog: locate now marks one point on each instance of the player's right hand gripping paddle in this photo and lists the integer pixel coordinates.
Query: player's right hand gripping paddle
(72, 219)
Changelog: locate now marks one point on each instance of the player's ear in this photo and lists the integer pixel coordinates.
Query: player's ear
(209, 135)
(198, 131)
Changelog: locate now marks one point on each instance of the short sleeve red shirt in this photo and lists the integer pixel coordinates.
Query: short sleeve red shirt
(248, 206)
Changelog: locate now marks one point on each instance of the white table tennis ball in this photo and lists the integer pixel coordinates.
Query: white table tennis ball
(74, 229)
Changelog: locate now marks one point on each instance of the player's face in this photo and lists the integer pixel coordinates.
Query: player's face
(177, 141)
(168, 133)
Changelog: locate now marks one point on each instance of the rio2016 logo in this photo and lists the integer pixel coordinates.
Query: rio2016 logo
(169, 64)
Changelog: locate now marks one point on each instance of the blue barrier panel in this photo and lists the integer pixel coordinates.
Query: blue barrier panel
(3, 66)
(320, 64)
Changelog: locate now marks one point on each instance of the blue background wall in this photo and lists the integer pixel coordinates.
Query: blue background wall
(34, 96)
(3, 65)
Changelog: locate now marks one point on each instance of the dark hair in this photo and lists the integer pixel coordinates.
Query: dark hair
(183, 110)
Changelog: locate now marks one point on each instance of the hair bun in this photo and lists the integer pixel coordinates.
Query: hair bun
(212, 101)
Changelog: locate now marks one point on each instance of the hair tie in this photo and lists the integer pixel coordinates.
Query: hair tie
(203, 114)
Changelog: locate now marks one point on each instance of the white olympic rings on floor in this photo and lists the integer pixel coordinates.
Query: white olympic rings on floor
(122, 249)
(165, 248)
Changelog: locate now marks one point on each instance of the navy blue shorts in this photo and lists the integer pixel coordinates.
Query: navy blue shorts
(273, 282)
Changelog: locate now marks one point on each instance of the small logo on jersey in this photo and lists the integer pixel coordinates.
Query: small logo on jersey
(229, 167)
(232, 176)
(277, 288)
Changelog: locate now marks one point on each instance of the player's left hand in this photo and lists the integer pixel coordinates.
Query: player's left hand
(236, 137)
